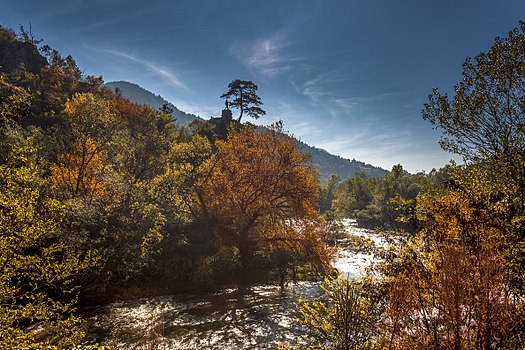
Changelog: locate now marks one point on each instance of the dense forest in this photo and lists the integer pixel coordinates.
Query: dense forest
(104, 199)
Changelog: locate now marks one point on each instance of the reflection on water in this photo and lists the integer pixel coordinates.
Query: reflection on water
(257, 318)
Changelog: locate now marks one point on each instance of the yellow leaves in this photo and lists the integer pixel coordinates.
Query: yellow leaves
(15, 102)
(88, 113)
(35, 266)
(91, 118)
(192, 158)
(449, 284)
(151, 216)
(343, 317)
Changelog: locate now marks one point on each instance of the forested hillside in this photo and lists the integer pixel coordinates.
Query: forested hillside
(325, 162)
(137, 94)
(102, 198)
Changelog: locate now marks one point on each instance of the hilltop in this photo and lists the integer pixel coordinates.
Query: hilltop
(324, 161)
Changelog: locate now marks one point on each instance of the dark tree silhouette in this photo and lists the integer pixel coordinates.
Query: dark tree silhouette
(242, 95)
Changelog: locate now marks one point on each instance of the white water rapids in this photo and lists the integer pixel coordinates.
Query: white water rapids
(258, 318)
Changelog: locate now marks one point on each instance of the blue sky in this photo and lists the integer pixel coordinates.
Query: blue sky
(347, 76)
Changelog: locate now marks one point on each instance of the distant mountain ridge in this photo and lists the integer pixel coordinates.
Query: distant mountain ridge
(138, 94)
(326, 163)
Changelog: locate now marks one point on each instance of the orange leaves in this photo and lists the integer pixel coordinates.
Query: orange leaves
(260, 183)
(263, 172)
(80, 172)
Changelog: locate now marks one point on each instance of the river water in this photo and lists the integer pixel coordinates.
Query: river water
(260, 317)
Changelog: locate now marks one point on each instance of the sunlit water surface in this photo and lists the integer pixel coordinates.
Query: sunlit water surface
(260, 317)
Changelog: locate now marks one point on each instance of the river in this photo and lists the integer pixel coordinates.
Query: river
(260, 317)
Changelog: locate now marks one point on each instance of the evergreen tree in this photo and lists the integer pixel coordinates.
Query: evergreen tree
(242, 94)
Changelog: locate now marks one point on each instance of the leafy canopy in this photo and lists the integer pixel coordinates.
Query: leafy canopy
(38, 270)
(242, 94)
(486, 116)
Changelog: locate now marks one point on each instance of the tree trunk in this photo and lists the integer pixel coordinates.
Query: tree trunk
(244, 249)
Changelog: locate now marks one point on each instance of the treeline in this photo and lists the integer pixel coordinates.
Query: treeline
(382, 203)
(457, 280)
(101, 198)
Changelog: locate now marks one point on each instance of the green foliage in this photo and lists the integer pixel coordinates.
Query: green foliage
(37, 293)
(327, 192)
(486, 117)
(380, 203)
(354, 195)
(345, 317)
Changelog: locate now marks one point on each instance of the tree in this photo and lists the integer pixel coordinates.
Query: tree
(328, 190)
(27, 36)
(260, 180)
(244, 97)
(486, 117)
(143, 141)
(37, 289)
(79, 171)
(353, 195)
(378, 203)
(484, 122)
(448, 286)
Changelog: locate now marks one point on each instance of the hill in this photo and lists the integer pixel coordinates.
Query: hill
(135, 93)
(326, 163)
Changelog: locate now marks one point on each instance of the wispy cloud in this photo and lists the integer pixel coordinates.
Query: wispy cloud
(163, 72)
(324, 87)
(341, 144)
(265, 55)
(350, 103)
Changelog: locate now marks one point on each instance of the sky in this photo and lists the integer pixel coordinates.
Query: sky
(350, 77)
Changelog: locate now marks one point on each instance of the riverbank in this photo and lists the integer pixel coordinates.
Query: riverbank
(258, 317)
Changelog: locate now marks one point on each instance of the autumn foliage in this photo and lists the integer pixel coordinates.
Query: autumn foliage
(449, 287)
(455, 280)
(261, 183)
(103, 198)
